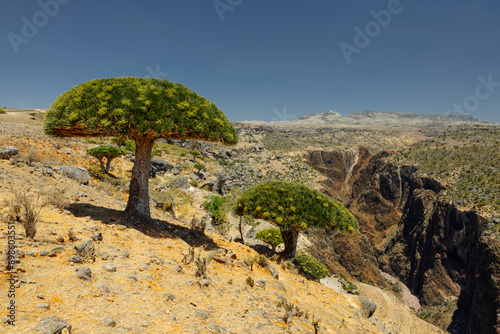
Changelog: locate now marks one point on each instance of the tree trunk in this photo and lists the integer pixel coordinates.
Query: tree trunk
(240, 225)
(108, 164)
(290, 238)
(102, 164)
(138, 201)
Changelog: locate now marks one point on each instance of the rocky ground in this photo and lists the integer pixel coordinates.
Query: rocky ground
(100, 273)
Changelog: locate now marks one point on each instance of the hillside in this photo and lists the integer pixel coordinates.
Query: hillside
(143, 279)
(377, 119)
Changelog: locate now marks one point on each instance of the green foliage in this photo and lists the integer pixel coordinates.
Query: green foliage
(272, 236)
(310, 266)
(216, 206)
(106, 151)
(137, 108)
(294, 206)
(194, 153)
(250, 281)
(2, 111)
(199, 166)
(127, 144)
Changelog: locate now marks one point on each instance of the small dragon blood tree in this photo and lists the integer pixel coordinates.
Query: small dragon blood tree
(294, 207)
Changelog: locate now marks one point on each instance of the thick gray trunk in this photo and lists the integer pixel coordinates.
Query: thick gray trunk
(102, 164)
(138, 201)
(108, 164)
(290, 238)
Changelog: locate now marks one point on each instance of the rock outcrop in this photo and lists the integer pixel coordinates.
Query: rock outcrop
(437, 250)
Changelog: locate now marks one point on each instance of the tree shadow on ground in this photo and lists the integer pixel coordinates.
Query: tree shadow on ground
(156, 228)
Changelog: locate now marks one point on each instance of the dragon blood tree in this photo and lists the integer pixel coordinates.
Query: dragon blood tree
(106, 151)
(141, 109)
(294, 207)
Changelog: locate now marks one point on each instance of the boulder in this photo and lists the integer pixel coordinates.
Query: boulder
(79, 174)
(53, 325)
(367, 307)
(86, 250)
(159, 166)
(8, 152)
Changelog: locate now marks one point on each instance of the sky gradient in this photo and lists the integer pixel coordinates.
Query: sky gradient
(263, 60)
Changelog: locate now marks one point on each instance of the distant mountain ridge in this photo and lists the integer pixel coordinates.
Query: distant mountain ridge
(377, 118)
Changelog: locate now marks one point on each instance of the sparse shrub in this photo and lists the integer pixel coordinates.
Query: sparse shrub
(2, 111)
(272, 236)
(32, 114)
(198, 226)
(249, 261)
(189, 256)
(348, 285)
(288, 265)
(106, 151)
(261, 260)
(310, 266)
(32, 157)
(396, 287)
(250, 281)
(194, 183)
(26, 210)
(202, 265)
(56, 198)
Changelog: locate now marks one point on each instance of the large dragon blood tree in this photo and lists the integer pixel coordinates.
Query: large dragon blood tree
(141, 109)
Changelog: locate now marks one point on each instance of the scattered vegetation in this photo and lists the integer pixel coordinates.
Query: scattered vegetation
(347, 285)
(467, 160)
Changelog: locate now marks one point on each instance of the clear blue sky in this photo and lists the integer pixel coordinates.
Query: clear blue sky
(266, 59)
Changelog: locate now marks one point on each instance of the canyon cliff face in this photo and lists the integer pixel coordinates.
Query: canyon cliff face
(438, 251)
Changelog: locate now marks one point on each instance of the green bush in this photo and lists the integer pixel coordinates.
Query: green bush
(2, 111)
(127, 144)
(216, 206)
(250, 281)
(310, 266)
(272, 236)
